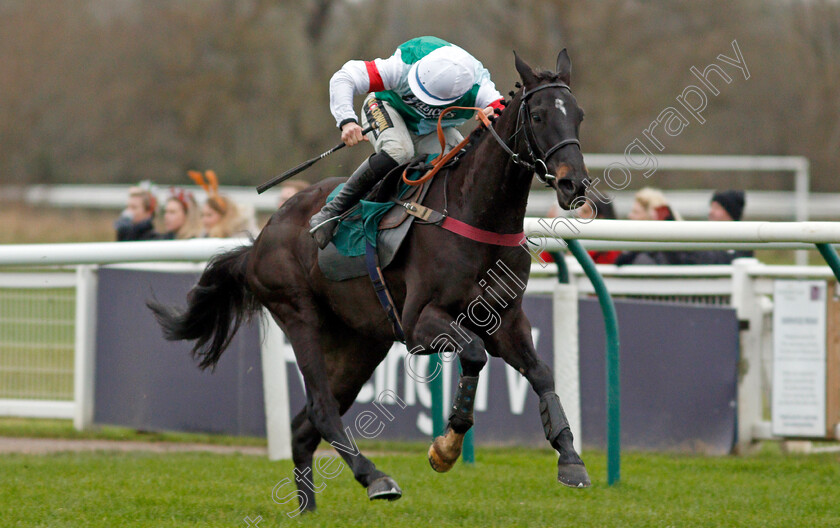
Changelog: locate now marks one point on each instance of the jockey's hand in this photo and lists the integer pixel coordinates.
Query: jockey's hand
(351, 134)
(487, 112)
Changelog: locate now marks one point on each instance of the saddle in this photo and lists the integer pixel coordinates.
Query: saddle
(392, 228)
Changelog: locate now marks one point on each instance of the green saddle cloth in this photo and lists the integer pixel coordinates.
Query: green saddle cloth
(363, 225)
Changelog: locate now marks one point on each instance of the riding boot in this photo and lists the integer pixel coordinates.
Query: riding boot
(324, 223)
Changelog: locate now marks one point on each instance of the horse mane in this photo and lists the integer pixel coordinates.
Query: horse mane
(542, 76)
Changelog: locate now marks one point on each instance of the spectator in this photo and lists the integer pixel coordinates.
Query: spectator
(180, 215)
(135, 222)
(650, 204)
(220, 216)
(594, 207)
(289, 189)
(725, 206)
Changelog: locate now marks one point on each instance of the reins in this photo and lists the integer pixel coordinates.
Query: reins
(443, 159)
(538, 166)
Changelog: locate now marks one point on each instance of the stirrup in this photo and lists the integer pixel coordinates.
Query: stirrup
(322, 224)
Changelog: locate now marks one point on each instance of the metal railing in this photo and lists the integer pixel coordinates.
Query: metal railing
(37, 343)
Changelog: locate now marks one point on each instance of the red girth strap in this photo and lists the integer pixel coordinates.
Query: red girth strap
(480, 235)
(463, 229)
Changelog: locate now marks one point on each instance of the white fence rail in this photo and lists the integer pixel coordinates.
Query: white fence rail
(715, 232)
(798, 204)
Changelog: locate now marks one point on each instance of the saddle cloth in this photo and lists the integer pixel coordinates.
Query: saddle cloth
(344, 257)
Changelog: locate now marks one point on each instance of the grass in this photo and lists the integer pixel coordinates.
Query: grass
(38, 224)
(506, 487)
(30, 224)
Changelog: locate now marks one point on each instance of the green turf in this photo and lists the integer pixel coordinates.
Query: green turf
(505, 488)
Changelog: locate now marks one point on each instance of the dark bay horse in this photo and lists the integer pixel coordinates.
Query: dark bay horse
(339, 331)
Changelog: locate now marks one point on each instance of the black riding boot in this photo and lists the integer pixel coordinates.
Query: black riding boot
(325, 222)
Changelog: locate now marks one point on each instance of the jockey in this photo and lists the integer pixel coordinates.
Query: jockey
(407, 93)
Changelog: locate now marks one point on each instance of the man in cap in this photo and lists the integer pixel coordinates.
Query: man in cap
(725, 206)
(407, 93)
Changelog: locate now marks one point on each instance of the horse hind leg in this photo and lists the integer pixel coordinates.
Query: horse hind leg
(305, 439)
(323, 407)
(353, 353)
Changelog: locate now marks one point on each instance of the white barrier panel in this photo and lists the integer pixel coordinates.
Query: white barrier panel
(566, 356)
(798, 165)
(85, 353)
(275, 389)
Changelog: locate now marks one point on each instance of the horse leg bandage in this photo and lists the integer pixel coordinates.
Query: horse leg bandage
(461, 417)
(553, 418)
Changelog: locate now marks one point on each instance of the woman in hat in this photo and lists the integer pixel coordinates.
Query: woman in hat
(220, 216)
(180, 215)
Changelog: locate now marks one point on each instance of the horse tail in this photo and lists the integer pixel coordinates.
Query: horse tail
(216, 307)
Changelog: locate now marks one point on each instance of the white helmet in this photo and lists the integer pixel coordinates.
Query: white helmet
(443, 76)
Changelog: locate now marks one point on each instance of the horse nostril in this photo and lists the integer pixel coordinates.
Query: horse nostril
(566, 186)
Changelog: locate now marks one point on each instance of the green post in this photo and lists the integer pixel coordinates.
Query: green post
(613, 381)
(562, 269)
(436, 388)
(468, 452)
(467, 448)
(830, 255)
(438, 417)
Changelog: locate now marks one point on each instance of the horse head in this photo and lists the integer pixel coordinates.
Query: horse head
(550, 117)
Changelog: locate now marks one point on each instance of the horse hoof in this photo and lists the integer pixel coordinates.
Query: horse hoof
(440, 462)
(573, 475)
(384, 488)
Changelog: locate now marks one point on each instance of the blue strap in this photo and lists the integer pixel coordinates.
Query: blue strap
(381, 289)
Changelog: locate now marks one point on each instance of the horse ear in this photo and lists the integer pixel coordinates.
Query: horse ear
(529, 78)
(564, 66)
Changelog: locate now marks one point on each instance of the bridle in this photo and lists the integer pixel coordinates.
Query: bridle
(538, 159)
(536, 164)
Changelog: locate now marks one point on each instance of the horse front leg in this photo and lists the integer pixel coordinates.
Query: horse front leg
(517, 349)
(444, 334)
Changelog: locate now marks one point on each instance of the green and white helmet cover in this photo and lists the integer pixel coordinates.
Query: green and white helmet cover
(389, 78)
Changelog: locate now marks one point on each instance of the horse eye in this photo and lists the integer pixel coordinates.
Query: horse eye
(535, 118)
